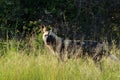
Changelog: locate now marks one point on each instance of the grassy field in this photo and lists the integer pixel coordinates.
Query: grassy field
(26, 61)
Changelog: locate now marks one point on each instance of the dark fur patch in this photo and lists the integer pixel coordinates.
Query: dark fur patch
(71, 47)
(50, 39)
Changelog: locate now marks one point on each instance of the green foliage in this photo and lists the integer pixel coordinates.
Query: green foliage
(96, 19)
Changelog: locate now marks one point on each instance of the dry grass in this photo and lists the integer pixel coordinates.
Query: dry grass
(26, 61)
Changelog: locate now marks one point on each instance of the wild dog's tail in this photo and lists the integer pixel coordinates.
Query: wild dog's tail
(114, 58)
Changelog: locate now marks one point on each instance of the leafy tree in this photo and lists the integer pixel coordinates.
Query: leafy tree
(96, 19)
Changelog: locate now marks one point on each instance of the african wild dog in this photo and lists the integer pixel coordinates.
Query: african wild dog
(61, 46)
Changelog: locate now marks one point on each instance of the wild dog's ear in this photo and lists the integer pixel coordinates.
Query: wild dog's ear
(55, 30)
(43, 28)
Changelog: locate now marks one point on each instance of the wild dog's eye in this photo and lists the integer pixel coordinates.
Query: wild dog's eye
(46, 35)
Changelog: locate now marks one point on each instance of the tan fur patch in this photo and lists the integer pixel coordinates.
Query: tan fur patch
(43, 28)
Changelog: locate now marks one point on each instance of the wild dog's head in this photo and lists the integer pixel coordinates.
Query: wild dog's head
(49, 37)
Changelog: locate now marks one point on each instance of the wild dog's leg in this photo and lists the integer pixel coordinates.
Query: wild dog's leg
(60, 57)
(99, 52)
(61, 52)
(98, 56)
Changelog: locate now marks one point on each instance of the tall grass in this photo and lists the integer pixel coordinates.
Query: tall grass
(27, 60)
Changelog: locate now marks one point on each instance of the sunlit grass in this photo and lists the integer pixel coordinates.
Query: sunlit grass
(20, 63)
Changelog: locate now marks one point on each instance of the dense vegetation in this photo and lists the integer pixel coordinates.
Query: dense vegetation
(97, 20)
(23, 55)
(27, 61)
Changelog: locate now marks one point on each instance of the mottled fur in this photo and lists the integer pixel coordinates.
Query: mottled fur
(73, 48)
